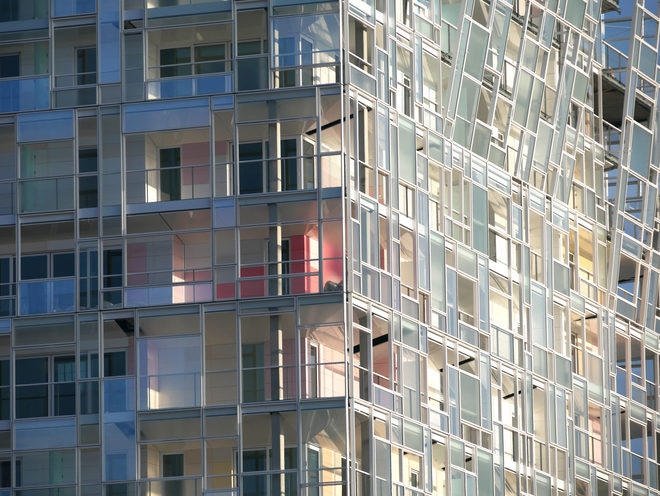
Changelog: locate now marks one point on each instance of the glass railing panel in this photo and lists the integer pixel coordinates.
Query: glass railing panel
(41, 195)
(167, 295)
(203, 85)
(18, 95)
(73, 7)
(47, 296)
(170, 391)
(153, 4)
(177, 487)
(75, 97)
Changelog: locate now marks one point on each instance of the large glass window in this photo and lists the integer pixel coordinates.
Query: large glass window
(45, 386)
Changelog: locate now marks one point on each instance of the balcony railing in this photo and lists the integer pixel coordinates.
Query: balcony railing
(168, 294)
(22, 94)
(170, 390)
(190, 86)
(62, 8)
(57, 295)
(185, 183)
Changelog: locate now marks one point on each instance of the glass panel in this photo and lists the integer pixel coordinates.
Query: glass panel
(155, 116)
(170, 372)
(45, 126)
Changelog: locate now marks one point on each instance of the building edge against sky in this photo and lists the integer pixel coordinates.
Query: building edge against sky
(329, 248)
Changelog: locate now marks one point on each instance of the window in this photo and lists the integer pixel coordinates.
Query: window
(9, 10)
(289, 171)
(114, 363)
(296, 165)
(86, 65)
(9, 66)
(172, 465)
(170, 174)
(258, 460)
(112, 268)
(49, 265)
(313, 370)
(87, 160)
(313, 464)
(87, 192)
(88, 273)
(210, 58)
(292, 53)
(175, 62)
(414, 478)
(5, 388)
(45, 386)
(205, 59)
(5, 473)
(7, 287)
(252, 44)
(252, 356)
(250, 167)
(87, 183)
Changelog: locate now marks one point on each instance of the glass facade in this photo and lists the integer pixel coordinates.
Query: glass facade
(329, 248)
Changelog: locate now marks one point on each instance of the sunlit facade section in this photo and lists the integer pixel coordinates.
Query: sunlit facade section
(329, 248)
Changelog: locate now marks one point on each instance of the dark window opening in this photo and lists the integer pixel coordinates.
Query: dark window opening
(170, 174)
(10, 66)
(173, 465)
(86, 65)
(112, 268)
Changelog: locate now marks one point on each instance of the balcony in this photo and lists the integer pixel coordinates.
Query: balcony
(168, 269)
(24, 81)
(18, 16)
(75, 66)
(189, 62)
(168, 166)
(613, 88)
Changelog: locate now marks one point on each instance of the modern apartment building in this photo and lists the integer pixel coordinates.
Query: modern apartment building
(329, 248)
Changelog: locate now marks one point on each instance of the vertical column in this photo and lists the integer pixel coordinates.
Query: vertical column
(277, 393)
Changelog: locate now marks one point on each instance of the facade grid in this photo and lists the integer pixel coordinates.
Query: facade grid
(329, 247)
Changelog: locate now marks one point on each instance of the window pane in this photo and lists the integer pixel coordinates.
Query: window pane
(34, 267)
(209, 58)
(114, 363)
(175, 62)
(9, 66)
(64, 368)
(64, 399)
(63, 265)
(31, 370)
(87, 193)
(173, 465)
(31, 401)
